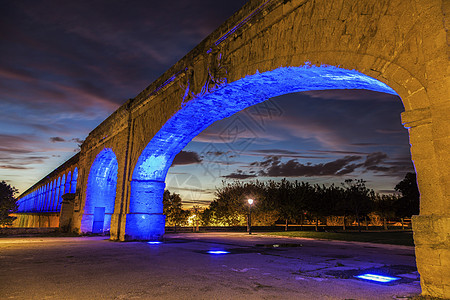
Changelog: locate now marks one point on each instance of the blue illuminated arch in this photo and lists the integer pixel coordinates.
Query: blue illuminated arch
(73, 182)
(100, 193)
(151, 168)
(62, 191)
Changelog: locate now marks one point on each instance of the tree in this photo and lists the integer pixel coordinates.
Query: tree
(357, 198)
(8, 204)
(230, 207)
(175, 215)
(384, 206)
(408, 204)
(320, 202)
(287, 205)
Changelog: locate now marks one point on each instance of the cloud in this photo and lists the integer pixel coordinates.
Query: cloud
(239, 175)
(282, 153)
(56, 139)
(186, 158)
(77, 140)
(14, 167)
(273, 167)
(376, 162)
(374, 159)
(356, 95)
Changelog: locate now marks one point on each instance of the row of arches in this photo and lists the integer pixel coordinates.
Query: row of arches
(48, 197)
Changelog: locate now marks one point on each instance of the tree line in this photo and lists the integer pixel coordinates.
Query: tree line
(274, 202)
(296, 202)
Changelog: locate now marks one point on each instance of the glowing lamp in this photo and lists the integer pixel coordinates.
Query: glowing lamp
(218, 252)
(377, 278)
(250, 201)
(154, 242)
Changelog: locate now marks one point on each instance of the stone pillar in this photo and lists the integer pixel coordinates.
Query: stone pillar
(432, 227)
(66, 215)
(145, 219)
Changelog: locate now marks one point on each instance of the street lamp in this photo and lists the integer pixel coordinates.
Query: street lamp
(249, 219)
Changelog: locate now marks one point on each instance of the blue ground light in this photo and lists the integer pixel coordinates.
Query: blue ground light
(146, 220)
(218, 252)
(377, 278)
(154, 243)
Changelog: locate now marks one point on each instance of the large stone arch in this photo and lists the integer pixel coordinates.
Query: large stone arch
(145, 220)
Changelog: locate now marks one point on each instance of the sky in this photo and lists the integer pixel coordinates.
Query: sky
(67, 65)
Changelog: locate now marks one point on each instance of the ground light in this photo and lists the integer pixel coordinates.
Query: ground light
(218, 252)
(154, 242)
(377, 278)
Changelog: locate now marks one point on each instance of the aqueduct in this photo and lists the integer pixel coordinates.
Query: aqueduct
(269, 48)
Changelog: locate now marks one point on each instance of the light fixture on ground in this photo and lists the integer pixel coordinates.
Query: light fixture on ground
(249, 219)
(377, 278)
(218, 252)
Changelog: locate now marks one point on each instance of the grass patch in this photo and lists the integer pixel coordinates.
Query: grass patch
(393, 238)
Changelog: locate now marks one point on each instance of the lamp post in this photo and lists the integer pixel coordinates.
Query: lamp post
(249, 219)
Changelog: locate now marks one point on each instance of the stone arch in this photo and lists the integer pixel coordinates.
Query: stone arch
(68, 180)
(146, 220)
(57, 193)
(53, 196)
(73, 182)
(61, 192)
(100, 193)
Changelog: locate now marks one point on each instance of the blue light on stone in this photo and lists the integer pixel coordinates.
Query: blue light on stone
(377, 278)
(100, 192)
(218, 252)
(211, 105)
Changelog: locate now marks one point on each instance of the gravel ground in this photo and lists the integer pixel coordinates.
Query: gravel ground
(257, 267)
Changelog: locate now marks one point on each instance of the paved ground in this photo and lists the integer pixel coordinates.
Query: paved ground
(95, 268)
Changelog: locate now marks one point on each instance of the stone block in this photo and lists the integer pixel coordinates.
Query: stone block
(431, 288)
(417, 100)
(431, 275)
(144, 227)
(427, 256)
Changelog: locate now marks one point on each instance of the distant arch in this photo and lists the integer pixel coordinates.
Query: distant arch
(100, 193)
(73, 182)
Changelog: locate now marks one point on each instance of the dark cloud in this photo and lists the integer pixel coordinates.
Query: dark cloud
(355, 95)
(374, 159)
(278, 151)
(77, 140)
(273, 167)
(57, 139)
(23, 160)
(283, 153)
(339, 152)
(14, 150)
(365, 144)
(186, 158)
(239, 175)
(14, 167)
(216, 153)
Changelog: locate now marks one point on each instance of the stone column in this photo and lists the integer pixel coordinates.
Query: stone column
(432, 227)
(66, 216)
(145, 219)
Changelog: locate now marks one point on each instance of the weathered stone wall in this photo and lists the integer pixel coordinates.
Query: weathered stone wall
(113, 133)
(401, 43)
(36, 220)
